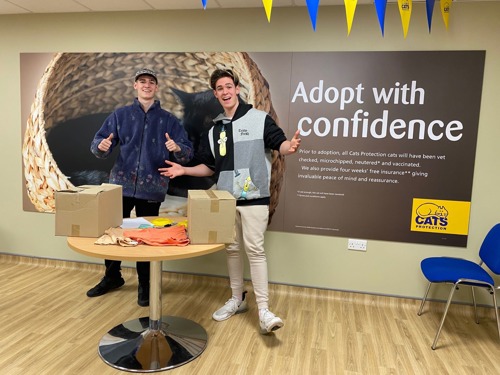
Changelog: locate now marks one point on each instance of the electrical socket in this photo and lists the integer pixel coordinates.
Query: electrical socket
(359, 245)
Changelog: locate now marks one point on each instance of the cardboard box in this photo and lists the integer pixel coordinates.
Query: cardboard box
(88, 210)
(211, 215)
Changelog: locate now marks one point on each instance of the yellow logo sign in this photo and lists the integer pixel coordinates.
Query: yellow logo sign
(440, 216)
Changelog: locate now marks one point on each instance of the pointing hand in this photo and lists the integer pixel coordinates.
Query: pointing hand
(294, 142)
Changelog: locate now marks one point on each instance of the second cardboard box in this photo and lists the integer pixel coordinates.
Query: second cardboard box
(211, 215)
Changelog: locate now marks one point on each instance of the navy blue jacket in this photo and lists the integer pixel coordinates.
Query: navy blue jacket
(141, 136)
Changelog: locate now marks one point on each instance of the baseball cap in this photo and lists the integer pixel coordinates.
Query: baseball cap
(146, 72)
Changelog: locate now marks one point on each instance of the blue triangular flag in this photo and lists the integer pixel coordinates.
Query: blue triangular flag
(312, 6)
(204, 2)
(429, 5)
(380, 6)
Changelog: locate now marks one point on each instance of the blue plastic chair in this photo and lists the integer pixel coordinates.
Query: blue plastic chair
(456, 271)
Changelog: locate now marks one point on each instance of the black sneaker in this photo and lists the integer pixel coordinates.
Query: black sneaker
(143, 295)
(104, 286)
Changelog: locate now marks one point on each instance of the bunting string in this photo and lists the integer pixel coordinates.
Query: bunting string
(404, 6)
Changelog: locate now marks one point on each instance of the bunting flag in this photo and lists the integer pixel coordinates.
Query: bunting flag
(312, 7)
(405, 12)
(429, 6)
(350, 9)
(445, 11)
(405, 9)
(268, 6)
(380, 6)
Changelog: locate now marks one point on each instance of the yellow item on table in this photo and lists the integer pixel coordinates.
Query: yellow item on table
(164, 221)
(161, 221)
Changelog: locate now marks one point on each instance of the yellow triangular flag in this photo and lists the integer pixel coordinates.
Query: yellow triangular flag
(445, 11)
(350, 9)
(268, 6)
(405, 12)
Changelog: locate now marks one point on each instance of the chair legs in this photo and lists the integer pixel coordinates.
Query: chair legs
(448, 303)
(493, 292)
(475, 306)
(444, 316)
(424, 299)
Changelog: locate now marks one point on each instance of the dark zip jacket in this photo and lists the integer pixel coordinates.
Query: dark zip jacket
(141, 136)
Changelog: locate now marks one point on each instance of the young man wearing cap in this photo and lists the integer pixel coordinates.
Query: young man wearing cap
(147, 135)
(239, 152)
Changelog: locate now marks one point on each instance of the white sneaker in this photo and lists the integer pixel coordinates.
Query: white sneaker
(230, 308)
(269, 322)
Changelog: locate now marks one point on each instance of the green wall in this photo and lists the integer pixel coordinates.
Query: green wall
(318, 261)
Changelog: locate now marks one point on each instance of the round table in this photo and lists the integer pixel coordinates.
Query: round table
(157, 342)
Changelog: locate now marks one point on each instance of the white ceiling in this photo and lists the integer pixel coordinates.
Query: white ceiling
(72, 6)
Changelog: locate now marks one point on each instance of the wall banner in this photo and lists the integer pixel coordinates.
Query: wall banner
(388, 144)
(388, 138)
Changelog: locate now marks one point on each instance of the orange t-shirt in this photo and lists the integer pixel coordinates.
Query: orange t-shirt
(175, 236)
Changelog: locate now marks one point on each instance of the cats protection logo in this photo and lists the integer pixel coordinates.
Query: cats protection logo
(438, 216)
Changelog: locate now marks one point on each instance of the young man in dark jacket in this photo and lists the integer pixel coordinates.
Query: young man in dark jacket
(147, 135)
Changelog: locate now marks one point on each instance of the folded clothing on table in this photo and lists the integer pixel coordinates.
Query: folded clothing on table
(175, 235)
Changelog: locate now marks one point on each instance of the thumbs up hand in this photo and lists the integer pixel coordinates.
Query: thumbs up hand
(171, 145)
(106, 143)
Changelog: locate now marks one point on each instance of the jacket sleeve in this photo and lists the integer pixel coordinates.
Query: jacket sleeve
(273, 134)
(204, 155)
(109, 126)
(179, 135)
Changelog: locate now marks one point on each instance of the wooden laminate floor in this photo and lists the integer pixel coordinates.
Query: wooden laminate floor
(48, 326)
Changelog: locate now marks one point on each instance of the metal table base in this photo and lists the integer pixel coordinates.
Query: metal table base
(153, 343)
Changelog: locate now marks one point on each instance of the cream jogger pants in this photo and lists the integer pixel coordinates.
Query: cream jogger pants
(250, 226)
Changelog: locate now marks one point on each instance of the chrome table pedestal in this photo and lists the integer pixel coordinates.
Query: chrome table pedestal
(153, 343)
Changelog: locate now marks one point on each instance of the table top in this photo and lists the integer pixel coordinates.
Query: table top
(86, 246)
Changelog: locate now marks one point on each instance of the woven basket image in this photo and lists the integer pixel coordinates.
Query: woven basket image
(80, 84)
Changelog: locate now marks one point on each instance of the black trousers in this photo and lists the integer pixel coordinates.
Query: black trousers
(142, 208)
